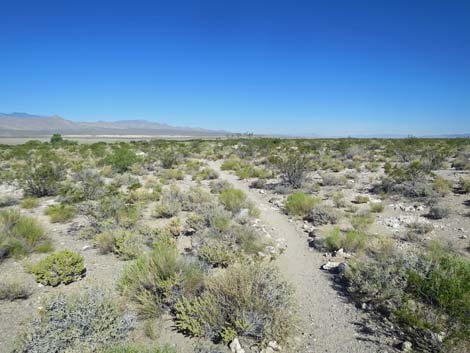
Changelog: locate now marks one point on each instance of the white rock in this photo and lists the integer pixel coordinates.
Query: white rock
(236, 347)
(330, 265)
(406, 346)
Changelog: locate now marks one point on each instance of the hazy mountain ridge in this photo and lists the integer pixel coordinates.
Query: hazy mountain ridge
(24, 124)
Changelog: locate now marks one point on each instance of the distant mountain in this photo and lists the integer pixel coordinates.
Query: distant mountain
(28, 125)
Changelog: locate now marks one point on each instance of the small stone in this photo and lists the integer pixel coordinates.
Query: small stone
(235, 346)
(406, 346)
(274, 345)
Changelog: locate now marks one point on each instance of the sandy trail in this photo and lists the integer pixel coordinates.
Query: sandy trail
(328, 323)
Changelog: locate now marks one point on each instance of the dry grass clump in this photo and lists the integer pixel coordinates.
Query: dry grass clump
(21, 235)
(252, 301)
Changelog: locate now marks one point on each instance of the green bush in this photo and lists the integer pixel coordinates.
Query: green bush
(61, 267)
(21, 235)
(293, 168)
(216, 255)
(351, 241)
(41, 178)
(80, 323)
(121, 159)
(233, 199)
(252, 301)
(299, 204)
(60, 213)
(125, 243)
(155, 280)
(426, 293)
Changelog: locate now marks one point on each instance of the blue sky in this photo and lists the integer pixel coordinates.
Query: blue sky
(326, 67)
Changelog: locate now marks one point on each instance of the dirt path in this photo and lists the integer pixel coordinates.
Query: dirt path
(328, 323)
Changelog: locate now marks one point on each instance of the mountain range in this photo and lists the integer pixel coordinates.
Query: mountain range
(30, 125)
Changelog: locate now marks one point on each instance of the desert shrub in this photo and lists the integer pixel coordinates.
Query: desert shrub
(253, 301)
(416, 229)
(333, 239)
(425, 293)
(438, 212)
(132, 348)
(258, 184)
(464, 185)
(29, 203)
(351, 241)
(111, 211)
(60, 213)
(41, 178)
(233, 199)
(6, 201)
(299, 204)
(441, 186)
(230, 164)
(76, 323)
(333, 180)
(206, 174)
(338, 199)
(194, 198)
(125, 243)
(195, 221)
(121, 159)
(362, 220)
(85, 185)
(218, 186)
(170, 204)
(320, 215)
(21, 235)
(361, 199)
(62, 267)
(377, 207)
(13, 290)
(56, 139)
(155, 280)
(169, 158)
(172, 174)
(293, 168)
(216, 255)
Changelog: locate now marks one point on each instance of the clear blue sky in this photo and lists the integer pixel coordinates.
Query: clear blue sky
(328, 67)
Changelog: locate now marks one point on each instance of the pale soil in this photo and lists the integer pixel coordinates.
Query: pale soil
(328, 323)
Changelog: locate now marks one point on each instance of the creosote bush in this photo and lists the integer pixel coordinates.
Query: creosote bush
(87, 322)
(61, 267)
(252, 301)
(41, 178)
(293, 168)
